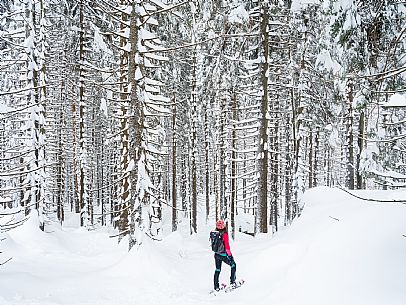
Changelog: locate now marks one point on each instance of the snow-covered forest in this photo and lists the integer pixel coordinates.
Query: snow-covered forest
(128, 127)
(128, 114)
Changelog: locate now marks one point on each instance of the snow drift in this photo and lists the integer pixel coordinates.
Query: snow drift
(342, 250)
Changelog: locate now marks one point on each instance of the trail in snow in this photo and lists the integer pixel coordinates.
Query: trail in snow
(340, 251)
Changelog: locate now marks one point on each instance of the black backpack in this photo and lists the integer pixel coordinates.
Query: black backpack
(217, 244)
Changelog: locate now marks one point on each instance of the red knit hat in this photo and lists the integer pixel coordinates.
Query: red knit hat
(220, 224)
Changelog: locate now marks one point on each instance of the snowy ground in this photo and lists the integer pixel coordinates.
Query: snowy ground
(342, 251)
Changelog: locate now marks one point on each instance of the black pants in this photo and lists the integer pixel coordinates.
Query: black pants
(229, 260)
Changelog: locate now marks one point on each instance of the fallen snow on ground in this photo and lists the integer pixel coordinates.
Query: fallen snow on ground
(342, 250)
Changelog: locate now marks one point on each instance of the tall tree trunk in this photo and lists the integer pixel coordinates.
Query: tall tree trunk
(207, 164)
(82, 119)
(194, 147)
(101, 184)
(222, 161)
(42, 77)
(315, 156)
(60, 166)
(310, 156)
(216, 169)
(124, 190)
(136, 129)
(184, 184)
(262, 210)
(233, 203)
(288, 175)
(174, 164)
(275, 166)
(350, 136)
(361, 137)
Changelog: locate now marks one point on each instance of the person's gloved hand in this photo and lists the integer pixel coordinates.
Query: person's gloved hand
(228, 253)
(230, 259)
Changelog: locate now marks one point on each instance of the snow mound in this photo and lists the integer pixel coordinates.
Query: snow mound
(342, 250)
(396, 100)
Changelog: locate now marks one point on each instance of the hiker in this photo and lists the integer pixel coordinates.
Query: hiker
(222, 252)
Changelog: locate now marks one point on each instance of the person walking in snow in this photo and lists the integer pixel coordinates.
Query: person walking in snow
(222, 253)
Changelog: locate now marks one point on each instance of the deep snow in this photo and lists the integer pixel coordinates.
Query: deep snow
(342, 250)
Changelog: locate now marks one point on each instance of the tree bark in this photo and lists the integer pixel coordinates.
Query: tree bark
(262, 210)
(361, 137)
(174, 164)
(233, 203)
(350, 136)
(207, 164)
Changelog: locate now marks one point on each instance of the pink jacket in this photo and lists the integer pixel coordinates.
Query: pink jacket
(227, 244)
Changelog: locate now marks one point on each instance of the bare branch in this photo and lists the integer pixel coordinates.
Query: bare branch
(371, 199)
(334, 218)
(5, 262)
(190, 45)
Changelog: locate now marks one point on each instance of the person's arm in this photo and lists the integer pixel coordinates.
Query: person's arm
(227, 244)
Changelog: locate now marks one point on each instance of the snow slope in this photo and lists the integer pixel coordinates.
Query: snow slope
(340, 251)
